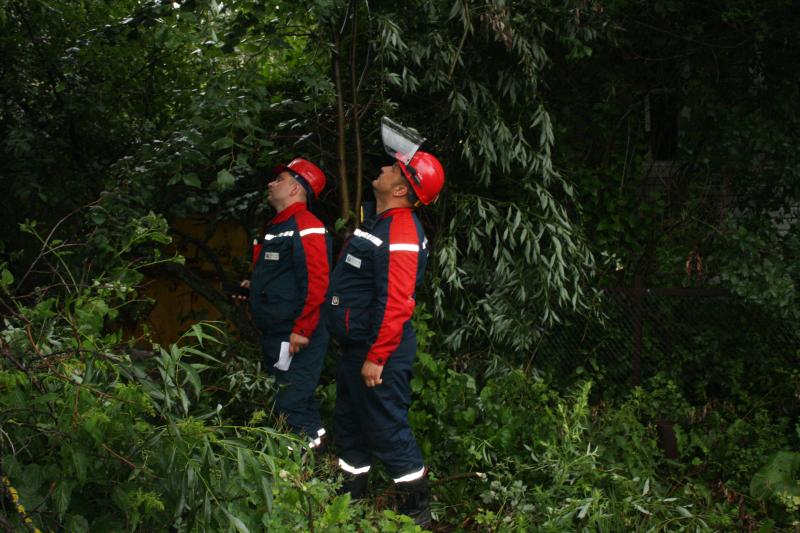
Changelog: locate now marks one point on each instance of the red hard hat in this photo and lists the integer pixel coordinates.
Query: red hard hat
(308, 171)
(426, 176)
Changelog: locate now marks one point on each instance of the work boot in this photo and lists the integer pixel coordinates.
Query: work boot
(356, 485)
(413, 500)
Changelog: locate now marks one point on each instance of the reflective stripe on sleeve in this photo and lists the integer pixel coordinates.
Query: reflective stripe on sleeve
(410, 477)
(309, 231)
(352, 469)
(269, 236)
(404, 248)
(369, 236)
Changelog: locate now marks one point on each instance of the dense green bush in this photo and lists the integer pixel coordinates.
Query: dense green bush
(511, 452)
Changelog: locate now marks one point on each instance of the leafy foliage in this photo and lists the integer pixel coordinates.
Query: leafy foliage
(104, 436)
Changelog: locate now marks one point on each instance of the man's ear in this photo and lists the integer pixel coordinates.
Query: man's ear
(296, 188)
(400, 190)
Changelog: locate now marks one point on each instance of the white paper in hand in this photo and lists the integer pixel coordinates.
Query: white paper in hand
(284, 359)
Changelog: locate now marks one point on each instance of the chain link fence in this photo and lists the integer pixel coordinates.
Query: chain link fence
(709, 342)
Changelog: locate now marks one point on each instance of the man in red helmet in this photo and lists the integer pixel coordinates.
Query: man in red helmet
(370, 303)
(290, 278)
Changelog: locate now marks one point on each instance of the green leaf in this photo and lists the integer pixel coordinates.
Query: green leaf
(237, 523)
(241, 463)
(337, 512)
(6, 278)
(62, 495)
(194, 377)
(225, 179)
(98, 216)
(191, 180)
(223, 143)
(80, 462)
(266, 490)
(77, 524)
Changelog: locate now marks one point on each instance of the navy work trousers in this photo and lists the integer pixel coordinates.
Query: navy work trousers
(295, 399)
(373, 422)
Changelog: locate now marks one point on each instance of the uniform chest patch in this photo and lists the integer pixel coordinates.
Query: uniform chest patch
(353, 261)
(272, 256)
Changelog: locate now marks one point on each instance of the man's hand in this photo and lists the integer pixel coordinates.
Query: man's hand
(297, 343)
(371, 373)
(239, 297)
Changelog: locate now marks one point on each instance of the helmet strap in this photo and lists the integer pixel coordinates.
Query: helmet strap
(412, 198)
(410, 175)
(303, 183)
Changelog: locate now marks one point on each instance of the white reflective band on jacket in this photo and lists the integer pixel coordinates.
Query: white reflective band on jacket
(352, 469)
(369, 236)
(404, 248)
(269, 236)
(410, 477)
(309, 231)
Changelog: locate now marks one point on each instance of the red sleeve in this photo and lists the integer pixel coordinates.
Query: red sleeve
(256, 251)
(396, 277)
(312, 235)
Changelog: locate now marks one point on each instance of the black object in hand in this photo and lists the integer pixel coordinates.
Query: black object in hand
(234, 289)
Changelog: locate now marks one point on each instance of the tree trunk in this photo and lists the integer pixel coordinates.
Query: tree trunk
(356, 130)
(344, 192)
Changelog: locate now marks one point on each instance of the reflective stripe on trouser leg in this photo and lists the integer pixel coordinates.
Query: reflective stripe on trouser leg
(318, 440)
(354, 470)
(413, 476)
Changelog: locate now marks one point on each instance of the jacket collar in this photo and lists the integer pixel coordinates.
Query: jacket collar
(287, 213)
(372, 218)
(393, 211)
